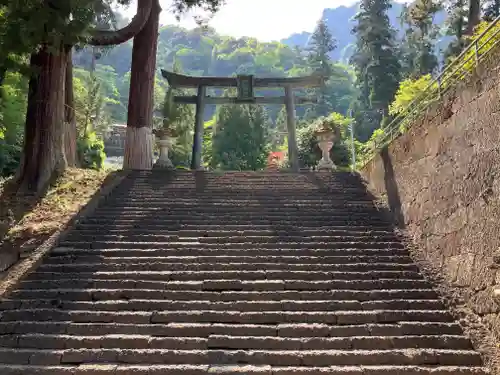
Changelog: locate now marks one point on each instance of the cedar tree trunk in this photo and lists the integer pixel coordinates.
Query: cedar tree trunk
(138, 142)
(474, 16)
(44, 152)
(70, 133)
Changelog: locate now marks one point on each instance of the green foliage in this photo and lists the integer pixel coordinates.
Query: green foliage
(240, 141)
(376, 63)
(321, 45)
(409, 90)
(12, 116)
(417, 51)
(491, 9)
(91, 151)
(487, 41)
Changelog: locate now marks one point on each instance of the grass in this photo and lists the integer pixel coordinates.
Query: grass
(25, 222)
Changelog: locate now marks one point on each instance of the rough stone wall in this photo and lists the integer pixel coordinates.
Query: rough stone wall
(441, 181)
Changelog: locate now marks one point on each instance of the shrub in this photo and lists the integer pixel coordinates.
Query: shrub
(408, 91)
(91, 152)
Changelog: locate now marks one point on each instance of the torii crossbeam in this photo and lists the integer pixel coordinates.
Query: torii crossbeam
(245, 85)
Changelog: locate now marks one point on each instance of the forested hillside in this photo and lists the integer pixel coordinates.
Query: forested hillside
(341, 21)
(204, 52)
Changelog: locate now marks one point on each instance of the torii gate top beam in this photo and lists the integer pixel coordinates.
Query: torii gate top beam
(183, 81)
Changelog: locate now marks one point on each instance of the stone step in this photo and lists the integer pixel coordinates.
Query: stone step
(213, 212)
(292, 237)
(165, 275)
(135, 245)
(275, 273)
(262, 197)
(235, 263)
(194, 281)
(174, 224)
(344, 317)
(253, 190)
(228, 255)
(222, 296)
(277, 220)
(212, 268)
(215, 227)
(255, 357)
(287, 330)
(167, 305)
(119, 369)
(89, 229)
(229, 238)
(223, 342)
(209, 207)
(229, 284)
(322, 201)
(231, 261)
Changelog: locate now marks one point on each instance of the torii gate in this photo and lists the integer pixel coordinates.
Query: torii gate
(245, 85)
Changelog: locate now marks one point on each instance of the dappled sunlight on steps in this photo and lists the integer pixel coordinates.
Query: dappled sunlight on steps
(236, 273)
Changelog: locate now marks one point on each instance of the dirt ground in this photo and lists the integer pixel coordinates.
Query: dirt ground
(27, 221)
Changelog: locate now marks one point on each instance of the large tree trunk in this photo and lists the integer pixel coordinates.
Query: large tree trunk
(44, 152)
(474, 16)
(69, 114)
(138, 142)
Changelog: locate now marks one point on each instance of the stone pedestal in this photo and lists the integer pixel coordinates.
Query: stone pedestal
(326, 140)
(165, 144)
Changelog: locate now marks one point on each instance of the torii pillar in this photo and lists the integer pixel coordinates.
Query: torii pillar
(293, 150)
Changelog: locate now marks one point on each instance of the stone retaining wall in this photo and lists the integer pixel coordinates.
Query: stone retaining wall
(441, 181)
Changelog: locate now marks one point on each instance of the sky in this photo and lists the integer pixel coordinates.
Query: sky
(265, 20)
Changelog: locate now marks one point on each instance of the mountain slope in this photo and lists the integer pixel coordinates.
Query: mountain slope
(341, 21)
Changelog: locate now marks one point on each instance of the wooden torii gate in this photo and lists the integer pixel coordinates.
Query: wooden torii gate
(245, 85)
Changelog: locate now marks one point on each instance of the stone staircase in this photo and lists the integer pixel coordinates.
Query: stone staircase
(236, 273)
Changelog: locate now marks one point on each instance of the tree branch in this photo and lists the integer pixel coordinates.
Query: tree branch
(108, 38)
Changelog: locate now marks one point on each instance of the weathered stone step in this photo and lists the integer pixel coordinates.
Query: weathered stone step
(292, 237)
(214, 213)
(255, 275)
(89, 229)
(243, 274)
(255, 357)
(231, 261)
(219, 283)
(340, 208)
(274, 181)
(110, 369)
(235, 263)
(327, 201)
(173, 223)
(163, 305)
(40, 341)
(243, 191)
(193, 295)
(244, 245)
(344, 317)
(216, 227)
(217, 196)
(229, 255)
(287, 330)
(219, 183)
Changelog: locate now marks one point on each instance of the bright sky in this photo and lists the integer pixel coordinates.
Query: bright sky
(263, 19)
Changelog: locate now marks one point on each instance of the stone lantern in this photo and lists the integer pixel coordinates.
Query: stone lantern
(326, 137)
(165, 140)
